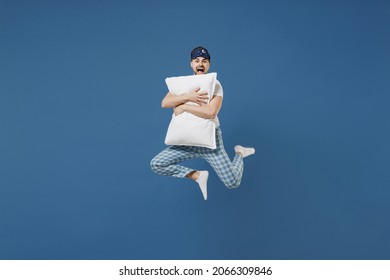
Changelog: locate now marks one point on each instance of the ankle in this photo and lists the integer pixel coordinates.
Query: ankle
(194, 175)
(240, 154)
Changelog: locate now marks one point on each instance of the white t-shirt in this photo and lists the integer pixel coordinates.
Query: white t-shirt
(218, 91)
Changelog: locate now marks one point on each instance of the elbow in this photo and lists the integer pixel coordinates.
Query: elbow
(164, 104)
(212, 111)
(212, 114)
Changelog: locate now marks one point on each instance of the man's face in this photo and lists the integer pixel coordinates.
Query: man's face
(200, 65)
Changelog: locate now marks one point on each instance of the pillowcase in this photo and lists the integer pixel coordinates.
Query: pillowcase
(187, 129)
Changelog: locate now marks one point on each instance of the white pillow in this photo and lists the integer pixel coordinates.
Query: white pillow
(187, 129)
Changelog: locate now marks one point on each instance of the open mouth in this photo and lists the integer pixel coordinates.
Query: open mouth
(200, 70)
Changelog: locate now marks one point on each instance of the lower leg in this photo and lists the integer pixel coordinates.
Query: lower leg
(230, 172)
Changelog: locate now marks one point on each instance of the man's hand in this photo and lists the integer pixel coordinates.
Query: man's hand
(178, 109)
(198, 97)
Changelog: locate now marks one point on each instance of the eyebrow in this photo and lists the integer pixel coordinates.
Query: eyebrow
(198, 58)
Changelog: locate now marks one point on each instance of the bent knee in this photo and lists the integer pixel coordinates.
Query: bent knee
(155, 165)
(232, 184)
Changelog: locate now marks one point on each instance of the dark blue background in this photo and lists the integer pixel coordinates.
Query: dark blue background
(306, 83)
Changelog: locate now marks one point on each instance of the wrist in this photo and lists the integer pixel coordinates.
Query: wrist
(184, 107)
(187, 97)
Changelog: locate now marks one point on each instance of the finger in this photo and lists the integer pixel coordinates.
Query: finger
(202, 99)
(202, 102)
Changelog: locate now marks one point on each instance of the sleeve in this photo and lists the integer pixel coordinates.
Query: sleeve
(218, 91)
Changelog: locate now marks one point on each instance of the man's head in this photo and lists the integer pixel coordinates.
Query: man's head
(200, 60)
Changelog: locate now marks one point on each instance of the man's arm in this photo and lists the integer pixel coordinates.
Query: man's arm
(171, 100)
(209, 111)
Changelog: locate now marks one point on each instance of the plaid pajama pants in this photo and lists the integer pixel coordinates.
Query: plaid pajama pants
(230, 172)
